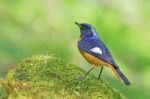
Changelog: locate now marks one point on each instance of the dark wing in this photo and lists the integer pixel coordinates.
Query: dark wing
(110, 57)
(88, 44)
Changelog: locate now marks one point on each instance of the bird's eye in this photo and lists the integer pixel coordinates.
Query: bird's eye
(88, 27)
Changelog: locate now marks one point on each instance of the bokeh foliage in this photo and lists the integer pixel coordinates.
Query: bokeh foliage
(30, 27)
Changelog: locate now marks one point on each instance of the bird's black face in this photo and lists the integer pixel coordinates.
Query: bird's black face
(86, 29)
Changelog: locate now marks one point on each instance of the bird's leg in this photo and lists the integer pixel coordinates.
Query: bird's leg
(100, 72)
(83, 77)
(89, 71)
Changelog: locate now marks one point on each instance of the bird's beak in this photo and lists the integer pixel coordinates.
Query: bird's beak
(78, 24)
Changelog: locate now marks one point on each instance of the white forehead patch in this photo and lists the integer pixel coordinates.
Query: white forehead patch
(96, 50)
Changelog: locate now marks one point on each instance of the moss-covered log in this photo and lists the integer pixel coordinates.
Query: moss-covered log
(47, 77)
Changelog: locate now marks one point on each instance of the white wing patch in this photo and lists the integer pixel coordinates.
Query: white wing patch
(96, 50)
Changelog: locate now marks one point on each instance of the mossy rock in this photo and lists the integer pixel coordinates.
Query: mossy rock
(47, 77)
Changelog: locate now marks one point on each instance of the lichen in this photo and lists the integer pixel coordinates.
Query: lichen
(47, 77)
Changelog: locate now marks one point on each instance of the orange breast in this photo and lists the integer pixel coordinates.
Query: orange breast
(92, 59)
(98, 62)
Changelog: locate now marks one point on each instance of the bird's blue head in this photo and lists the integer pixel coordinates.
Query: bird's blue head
(86, 30)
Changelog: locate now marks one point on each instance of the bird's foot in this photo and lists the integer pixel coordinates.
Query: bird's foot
(80, 78)
(100, 79)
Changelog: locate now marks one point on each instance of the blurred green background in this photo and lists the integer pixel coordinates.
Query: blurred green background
(29, 27)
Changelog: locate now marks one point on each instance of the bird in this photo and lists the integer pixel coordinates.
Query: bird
(96, 53)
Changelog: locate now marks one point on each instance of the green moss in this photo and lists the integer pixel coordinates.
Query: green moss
(3, 91)
(47, 77)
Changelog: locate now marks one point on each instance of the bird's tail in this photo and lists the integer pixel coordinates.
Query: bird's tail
(120, 75)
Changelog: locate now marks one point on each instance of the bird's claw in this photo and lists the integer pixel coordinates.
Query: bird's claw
(80, 78)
